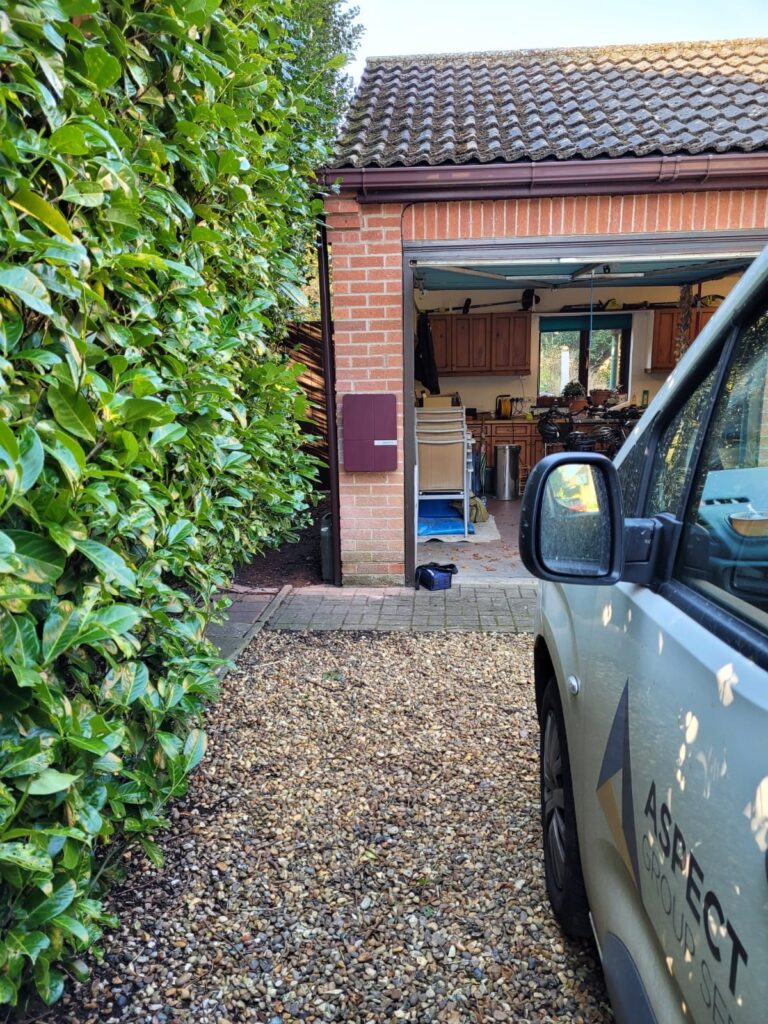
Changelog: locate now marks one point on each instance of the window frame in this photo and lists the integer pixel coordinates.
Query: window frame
(718, 619)
(624, 347)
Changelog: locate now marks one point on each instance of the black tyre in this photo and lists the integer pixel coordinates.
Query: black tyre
(562, 862)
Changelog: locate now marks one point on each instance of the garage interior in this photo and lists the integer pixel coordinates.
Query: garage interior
(507, 336)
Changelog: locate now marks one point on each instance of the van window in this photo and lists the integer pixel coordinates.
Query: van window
(676, 452)
(724, 553)
(630, 473)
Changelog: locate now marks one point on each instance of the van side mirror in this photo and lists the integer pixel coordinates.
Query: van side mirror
(571, 521)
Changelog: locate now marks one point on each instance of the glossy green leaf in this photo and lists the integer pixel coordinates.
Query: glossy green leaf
(153, 852)
(194, 748)
(8, 991)
(108, 763)
(150, 409)
(115, 620)
(42, 561)
(33, 204)
(9, 449)
(66, 451)
(72, 411)
(167, 434)
(8, 563)
(49, 982)
(51, 781)
(89, 743)
(102, 68)
(72, 927)
(26, 287)
(18, 639)
(113, 566)
(28, 944)
(60, 630)
(31, 458)
(70, 140)
(41, 356)
(126, 683)
(25, 856)
(171, 745)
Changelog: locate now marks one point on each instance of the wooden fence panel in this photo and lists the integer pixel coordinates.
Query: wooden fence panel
(305, 344)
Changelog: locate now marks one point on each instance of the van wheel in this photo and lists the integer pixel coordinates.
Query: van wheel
(562, 862)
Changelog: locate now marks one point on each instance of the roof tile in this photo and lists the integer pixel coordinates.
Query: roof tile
(559, 104)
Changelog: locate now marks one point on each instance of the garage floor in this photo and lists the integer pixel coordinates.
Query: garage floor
(496, 563)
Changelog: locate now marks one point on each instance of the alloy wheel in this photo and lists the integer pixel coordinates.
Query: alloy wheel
(553, 801)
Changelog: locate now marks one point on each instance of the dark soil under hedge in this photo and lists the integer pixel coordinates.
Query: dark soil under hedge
(297, 564)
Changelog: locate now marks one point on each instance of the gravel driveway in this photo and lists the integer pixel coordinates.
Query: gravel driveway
(361, 844)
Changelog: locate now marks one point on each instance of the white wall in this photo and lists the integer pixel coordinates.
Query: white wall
(480, 392)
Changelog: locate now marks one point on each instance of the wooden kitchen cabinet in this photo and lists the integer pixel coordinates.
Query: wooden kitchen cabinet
(666, 323)
(702, 317)
(471, 348)
(665, 327)
(511, 343)
(440, 326)
(472, 344)
(520, 432)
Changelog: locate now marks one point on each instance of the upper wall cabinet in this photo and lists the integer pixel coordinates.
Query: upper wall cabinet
(666, 323)
(440, 325)
(471, 347)
(494, 343)
(511, 343)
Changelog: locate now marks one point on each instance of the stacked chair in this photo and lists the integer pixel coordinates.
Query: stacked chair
(443, 458)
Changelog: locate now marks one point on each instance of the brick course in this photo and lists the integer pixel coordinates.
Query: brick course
(366, 255)
(586, 215)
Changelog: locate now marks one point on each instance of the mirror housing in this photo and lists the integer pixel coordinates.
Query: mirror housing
(572, 521)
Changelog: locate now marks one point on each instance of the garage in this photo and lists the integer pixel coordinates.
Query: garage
(535, 220)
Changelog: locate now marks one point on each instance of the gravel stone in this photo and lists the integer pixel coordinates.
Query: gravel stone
(361, 844)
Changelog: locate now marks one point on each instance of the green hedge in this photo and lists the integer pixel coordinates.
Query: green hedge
(155, 207)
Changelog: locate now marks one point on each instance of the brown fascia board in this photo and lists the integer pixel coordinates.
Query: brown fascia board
(551, 178)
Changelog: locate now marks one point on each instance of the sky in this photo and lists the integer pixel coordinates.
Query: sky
(451, 26)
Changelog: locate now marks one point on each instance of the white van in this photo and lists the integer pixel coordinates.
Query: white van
(651, 659)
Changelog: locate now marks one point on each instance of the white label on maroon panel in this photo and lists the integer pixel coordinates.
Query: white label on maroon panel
(379, 444)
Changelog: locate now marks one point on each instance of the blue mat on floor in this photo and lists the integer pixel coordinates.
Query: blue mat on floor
(438, 518)
(435, 527)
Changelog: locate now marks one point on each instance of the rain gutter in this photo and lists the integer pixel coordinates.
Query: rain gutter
(614, 175)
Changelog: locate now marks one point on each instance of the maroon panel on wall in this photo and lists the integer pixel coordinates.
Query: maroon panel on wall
(370, 433)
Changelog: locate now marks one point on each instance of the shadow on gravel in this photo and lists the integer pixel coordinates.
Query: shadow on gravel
(361, 844)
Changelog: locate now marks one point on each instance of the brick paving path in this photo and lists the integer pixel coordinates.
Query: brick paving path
(244, 618)
(507, 609)
(485, 609)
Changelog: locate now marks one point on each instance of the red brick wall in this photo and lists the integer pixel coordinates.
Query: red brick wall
(587, 215)
(366, 258)
(366, 261)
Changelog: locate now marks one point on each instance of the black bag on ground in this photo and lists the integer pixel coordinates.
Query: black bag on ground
(434, 576)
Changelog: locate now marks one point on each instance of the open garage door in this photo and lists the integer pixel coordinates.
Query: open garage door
(513, 323)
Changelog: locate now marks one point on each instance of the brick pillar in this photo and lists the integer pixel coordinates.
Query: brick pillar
(367, 296)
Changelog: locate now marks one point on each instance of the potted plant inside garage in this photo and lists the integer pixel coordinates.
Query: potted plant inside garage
(574, 396)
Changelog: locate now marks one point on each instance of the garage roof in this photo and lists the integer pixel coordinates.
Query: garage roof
(524, 105)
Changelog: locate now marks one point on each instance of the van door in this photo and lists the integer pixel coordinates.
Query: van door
(677, 694)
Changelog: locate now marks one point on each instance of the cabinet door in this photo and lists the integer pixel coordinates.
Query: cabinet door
(441, 341)
(490, 441)
(471, 350)
(461, 355)
(480, 345)
(665, 326)
(699, 319)
(511, 343)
